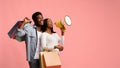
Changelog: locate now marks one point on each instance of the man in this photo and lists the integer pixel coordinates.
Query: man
(32, 34)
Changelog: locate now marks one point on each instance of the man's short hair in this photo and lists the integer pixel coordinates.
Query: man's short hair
(35, 15)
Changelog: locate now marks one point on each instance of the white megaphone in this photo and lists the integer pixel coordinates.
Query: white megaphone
(61, 23)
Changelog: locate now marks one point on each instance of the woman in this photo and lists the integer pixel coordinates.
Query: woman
(50, 41)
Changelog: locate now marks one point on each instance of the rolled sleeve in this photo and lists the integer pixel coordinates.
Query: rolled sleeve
(23, 31)
(20, 33)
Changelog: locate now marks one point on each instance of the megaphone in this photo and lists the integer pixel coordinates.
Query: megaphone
(61, 23)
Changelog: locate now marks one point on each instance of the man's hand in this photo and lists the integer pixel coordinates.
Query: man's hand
(59, 47)
(26, 20)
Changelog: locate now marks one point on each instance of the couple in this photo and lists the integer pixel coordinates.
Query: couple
(39, 37)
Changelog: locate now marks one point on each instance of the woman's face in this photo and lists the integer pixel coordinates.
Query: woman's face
(50, 24)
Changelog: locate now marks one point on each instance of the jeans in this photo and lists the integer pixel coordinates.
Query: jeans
(35, 64)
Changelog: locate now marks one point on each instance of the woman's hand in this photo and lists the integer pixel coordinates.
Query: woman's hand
(63, 29)
(48, 49)
(45, 49)
(59, 47)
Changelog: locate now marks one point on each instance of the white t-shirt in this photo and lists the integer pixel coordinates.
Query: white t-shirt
(38, 49)
(51, 40)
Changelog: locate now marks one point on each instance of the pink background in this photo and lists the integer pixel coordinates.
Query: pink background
(93, 40)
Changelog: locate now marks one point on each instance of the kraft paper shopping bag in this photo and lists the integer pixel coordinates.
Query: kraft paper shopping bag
(50, 60)
(42, 62)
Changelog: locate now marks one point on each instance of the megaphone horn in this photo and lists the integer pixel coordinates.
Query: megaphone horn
(67, 20)
(61, 23)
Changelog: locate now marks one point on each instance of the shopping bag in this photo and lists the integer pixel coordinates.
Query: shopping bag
(50, 60)
(42, 62)
(20, 39)
(13, 30)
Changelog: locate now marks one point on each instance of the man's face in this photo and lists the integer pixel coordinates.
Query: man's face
(40, 19)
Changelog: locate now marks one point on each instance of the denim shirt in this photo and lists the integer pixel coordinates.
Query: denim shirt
(30, 34)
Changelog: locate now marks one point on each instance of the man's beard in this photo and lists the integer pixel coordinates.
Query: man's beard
(38, 25)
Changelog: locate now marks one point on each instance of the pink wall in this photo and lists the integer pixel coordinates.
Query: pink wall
(93, 40)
